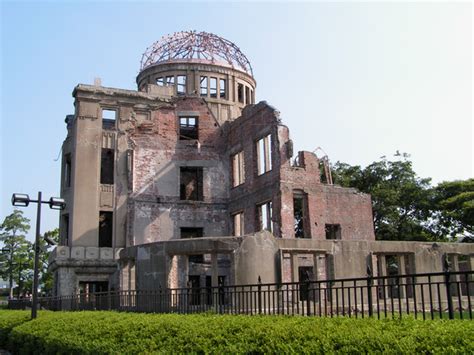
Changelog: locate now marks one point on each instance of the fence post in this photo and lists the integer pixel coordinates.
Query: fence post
(308, 303)
(369, 289)
(259, 295)
(447, 281)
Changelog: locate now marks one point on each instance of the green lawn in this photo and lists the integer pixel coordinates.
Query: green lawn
(132, 333)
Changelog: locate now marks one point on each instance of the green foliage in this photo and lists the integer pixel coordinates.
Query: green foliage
(17, 259)
(454, 201)
(401, 201)
(407, 207)
(110, 332)
(46, 277)
(9, 320)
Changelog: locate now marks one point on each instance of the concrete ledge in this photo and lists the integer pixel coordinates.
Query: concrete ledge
(62, 252)
(92, 253)
(77, 252)
(106, 253)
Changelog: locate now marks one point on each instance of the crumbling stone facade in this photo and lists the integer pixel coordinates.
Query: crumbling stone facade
(188, 181)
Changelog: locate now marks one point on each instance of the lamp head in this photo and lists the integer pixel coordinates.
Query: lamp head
(20, 200)
(56, 203)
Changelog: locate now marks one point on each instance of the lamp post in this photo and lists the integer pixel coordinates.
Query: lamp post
(23, 200)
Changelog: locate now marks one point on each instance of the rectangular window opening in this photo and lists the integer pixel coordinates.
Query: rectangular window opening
(188, 128)
(107, 166)
(192, 232)
(300, 215)
(160, 81)
(240, 93)
(305, 274)
(67, 170)
(247, 95)
(222, 88)
(252, 98)
(238, 169)
(108, 118)
(169, 80)
(238, 224)
(264, 215)
(333, 231)
(194, 283)
(203, 86)
(181, 84)
(213, 87)
(65, 230)
(105, 229)
(264, 154)
(191, 184)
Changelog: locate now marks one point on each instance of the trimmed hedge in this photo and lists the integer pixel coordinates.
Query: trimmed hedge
(9, 320)
(110, 332)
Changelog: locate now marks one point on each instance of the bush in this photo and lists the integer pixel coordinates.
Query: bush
(9, 320)
(110, 332)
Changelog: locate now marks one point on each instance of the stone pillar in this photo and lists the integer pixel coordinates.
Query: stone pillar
(215, 270)
(294, 267)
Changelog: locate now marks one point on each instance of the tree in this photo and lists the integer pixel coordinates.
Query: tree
(454, 205)
(15, 247)
(46, 276)
(401, 201)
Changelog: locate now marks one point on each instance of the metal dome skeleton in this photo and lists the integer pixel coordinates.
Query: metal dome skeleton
(197, 47)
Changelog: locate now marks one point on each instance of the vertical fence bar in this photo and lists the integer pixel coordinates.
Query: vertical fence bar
(447, 277)
(369, 290)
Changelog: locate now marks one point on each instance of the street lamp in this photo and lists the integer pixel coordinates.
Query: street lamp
(23, 200)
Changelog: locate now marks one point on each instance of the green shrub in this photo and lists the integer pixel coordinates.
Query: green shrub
(9, 320)
(129, 333)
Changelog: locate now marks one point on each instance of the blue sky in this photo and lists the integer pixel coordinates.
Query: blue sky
(360, 80)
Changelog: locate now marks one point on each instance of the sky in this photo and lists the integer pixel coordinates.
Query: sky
(359, 79)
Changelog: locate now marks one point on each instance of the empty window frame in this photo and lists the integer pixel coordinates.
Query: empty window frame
(170, 80)
(333, 231)
(264, 216)
(264, 154)
(240, 93)
(306, 275)
(238, 169)
(105, 229)
(247, 95)
(213, 87)
(203, 86)
(238, 224)
(160, 81)
(67, 170)
(300, 214)
(65, 229)
(222, 89)
(181, 84)
(194, 284)
(188, 128)
(108, 118)
(192, 232)
(107, 166)
(191, 184)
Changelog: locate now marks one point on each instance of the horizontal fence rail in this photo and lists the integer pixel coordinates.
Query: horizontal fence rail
(426, 296)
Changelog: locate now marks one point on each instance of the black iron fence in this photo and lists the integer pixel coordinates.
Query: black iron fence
(434, 295)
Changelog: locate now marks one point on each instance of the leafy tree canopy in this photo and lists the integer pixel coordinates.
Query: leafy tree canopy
(407, 207)
(16, 257)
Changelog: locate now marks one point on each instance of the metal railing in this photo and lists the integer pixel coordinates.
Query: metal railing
(433, 295)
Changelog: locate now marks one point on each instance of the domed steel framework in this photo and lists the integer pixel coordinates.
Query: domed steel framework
(195, 46)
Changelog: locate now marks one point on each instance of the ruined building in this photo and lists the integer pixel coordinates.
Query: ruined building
(189, 181)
